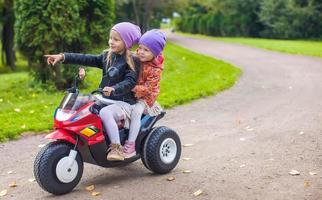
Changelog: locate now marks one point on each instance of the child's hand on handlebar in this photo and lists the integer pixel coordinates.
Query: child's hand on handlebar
(81, 73)
(53, 59)
(108, 90)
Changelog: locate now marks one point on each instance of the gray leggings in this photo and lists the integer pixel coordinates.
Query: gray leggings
(113, 114)
(135, 124)
(110, 116)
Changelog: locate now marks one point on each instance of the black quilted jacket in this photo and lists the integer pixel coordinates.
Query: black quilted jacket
(118, 75)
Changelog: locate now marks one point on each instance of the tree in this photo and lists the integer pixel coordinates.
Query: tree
(291, 18)
(45, 27)
(145, 13)
(7, 33)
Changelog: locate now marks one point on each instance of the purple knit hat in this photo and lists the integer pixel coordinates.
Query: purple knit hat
(130, 33)
(154, 40)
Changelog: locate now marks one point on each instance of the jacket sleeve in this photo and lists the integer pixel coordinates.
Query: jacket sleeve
(127, 84)
(84, 59)
(152, 83)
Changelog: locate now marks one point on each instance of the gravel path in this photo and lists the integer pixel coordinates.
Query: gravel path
(245, 140)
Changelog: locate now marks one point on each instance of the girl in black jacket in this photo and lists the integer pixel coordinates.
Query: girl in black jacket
(119, 75)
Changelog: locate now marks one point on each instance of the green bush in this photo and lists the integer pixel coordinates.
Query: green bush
(45, 27)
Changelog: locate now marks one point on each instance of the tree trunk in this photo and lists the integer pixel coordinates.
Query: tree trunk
(136, 12)
(8, 34)
(148, 9)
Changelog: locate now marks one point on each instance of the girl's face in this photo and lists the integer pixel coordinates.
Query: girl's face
(144, 53)
(116, 43)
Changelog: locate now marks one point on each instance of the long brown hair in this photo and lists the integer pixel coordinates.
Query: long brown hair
(128, 58)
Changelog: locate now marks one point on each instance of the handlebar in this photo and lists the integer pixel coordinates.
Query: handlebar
(101, 91)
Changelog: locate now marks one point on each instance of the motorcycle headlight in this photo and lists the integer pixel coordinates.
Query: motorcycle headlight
(63, 115)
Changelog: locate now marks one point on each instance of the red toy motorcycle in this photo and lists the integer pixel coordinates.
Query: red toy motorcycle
(79, 136)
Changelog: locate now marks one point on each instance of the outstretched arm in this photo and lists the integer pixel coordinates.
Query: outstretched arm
(76, 58)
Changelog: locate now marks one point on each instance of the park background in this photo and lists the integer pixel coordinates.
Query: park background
(30, 90)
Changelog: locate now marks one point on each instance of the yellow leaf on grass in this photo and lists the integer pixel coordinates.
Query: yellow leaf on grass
(3, 193)
(17, 110)
(23, 126)
(90, 188)
(96, 193)
(171, 178)
(13, 184)
(197, 193)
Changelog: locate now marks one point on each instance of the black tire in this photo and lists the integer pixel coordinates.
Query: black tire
(152, 150)
(45, 168)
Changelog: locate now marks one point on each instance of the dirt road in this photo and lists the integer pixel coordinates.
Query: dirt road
(245, 140)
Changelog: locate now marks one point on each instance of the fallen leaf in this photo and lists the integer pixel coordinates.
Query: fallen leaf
(3, 193)
(31, 180)
(10, 172)
(171, 178)
(17, 110)
(90, 188)
(312, 173)
(96, 193)
(307, 184)
(32, 111)
(197, 193)
(188, 145)
(238, 121)
(294, 172)
(242, 139)
(187, 158)
(13, 184)
(23, 126)
(41, 145)
(187, 171)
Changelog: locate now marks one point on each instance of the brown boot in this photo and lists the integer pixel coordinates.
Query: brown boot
(115, 153)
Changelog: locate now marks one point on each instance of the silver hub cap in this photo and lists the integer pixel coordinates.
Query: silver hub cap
(66, 173)
(168, 150)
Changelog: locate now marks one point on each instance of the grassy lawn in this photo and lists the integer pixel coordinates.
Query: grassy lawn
(301, 47)
(21, 63)
(187, 76)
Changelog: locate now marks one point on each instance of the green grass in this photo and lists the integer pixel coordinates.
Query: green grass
(187, 76)
(300, 47)
(21, 63)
